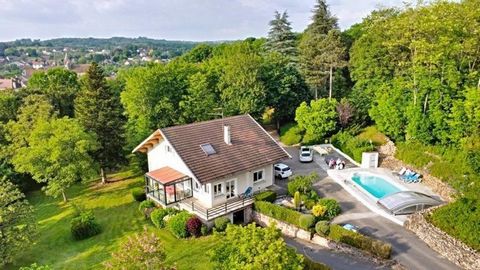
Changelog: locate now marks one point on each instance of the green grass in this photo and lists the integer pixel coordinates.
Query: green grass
(117, 213)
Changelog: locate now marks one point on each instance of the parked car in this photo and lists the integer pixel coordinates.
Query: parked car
(350, 227)
(282, 171)
(306, 154)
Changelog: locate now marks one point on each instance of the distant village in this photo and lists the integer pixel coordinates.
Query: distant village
(18, 63)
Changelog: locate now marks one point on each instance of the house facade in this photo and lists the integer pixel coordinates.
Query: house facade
(210, 168)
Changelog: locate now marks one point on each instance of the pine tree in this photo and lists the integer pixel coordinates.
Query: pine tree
(281, 39)
(321, 49)
(99, 110)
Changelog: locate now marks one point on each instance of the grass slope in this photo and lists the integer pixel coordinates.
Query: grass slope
(118, 215)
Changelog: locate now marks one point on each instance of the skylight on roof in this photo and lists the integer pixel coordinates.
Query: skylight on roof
(208, 149)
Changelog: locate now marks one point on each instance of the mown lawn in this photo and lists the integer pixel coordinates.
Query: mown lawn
(118, 215)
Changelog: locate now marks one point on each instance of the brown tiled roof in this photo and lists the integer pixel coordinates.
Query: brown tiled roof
(251, 147)
(166, 175)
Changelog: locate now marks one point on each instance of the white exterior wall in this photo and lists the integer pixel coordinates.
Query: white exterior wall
(158, 157)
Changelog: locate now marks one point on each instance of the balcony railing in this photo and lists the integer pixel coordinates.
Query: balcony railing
(217, 211)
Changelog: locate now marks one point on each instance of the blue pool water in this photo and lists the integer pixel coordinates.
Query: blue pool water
(374, 185)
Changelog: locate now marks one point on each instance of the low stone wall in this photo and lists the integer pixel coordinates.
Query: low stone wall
(449, 247)
(295, 232)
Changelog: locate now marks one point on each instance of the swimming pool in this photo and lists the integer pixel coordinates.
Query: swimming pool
(375, 185)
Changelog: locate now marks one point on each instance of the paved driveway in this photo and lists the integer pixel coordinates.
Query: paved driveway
(408, 249)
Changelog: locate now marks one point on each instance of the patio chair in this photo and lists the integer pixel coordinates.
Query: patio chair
(247, 194)
(400, 172)
(413, 179)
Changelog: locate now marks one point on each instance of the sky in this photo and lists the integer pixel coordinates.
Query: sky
(196, 20)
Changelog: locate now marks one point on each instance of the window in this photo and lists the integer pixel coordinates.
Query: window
(196, 186)
(206, 188)
(258, 176)
(168, 149)
(217, 189)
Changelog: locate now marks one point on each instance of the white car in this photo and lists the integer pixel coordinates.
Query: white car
(306, 154)
(282, 171)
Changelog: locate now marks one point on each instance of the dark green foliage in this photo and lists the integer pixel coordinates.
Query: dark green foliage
(84, 225)
(306, 221)
(99, 110)
(351, 145)
(318, 119)
(311, 265)
(221, 223)
(375, 247)
(278, 212)
(291, 134)
(301, 183)
(159, 214)
(333, 207)
(204, 230)
(280, 38)
(460, 219)
(322, 227)
(139, 195)
(177, 224)
(268, 196)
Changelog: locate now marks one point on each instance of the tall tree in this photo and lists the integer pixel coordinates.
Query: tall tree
(321, 49)
(56, 153)
(17, 223)
(280, 38)
(318, 119)
(200, 100)
(59, 85)
(99, 110)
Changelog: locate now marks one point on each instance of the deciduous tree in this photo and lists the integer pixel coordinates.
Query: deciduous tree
(318, 119)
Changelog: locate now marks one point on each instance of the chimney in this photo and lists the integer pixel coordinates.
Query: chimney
(227, 137)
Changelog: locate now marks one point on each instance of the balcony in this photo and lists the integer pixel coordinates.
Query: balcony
(193, 206)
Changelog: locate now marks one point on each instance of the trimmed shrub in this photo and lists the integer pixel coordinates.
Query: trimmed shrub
(268, 196)
(375, 247)
(146, 208)
(306, 221)
(278, 212)
(221, 223)
(204, 230)
(296, 200)
(311, 265)
(291, 134)
(159, 214)
(194, 226)
(84, 226)
(139, 195)
(309, 203)
(319, 210)
(333, 207)
(322, 228)
(177, 224)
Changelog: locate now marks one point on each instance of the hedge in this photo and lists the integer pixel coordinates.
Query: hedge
(139, 195)
(291, 134)
(159, 214)
(278, 212)
(178, 224)
(311, 265)
(322, 228)
(221, 223)
(373, 246)
(268, 196)
(306, 221)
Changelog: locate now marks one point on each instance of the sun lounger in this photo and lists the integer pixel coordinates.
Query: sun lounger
(400, 172)
(412, 178)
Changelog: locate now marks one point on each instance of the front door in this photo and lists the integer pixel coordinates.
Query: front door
(230, 189)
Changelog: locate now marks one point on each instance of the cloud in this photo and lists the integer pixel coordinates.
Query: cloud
(169, 19)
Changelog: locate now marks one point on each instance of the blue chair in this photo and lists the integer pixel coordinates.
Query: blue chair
(248, 193)
(412, 178)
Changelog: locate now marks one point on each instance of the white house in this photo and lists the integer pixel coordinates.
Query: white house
(209, 168)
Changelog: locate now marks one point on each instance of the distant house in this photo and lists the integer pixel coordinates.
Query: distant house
(211, 168)
(13, 83)
(38, 65)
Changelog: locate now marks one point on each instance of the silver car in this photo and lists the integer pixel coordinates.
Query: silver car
(306, 154)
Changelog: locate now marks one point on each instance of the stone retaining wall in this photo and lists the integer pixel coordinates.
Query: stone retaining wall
(388, 160)
(449, 247)
(292, 231)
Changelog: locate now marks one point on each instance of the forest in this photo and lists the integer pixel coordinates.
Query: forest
(412, 72)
